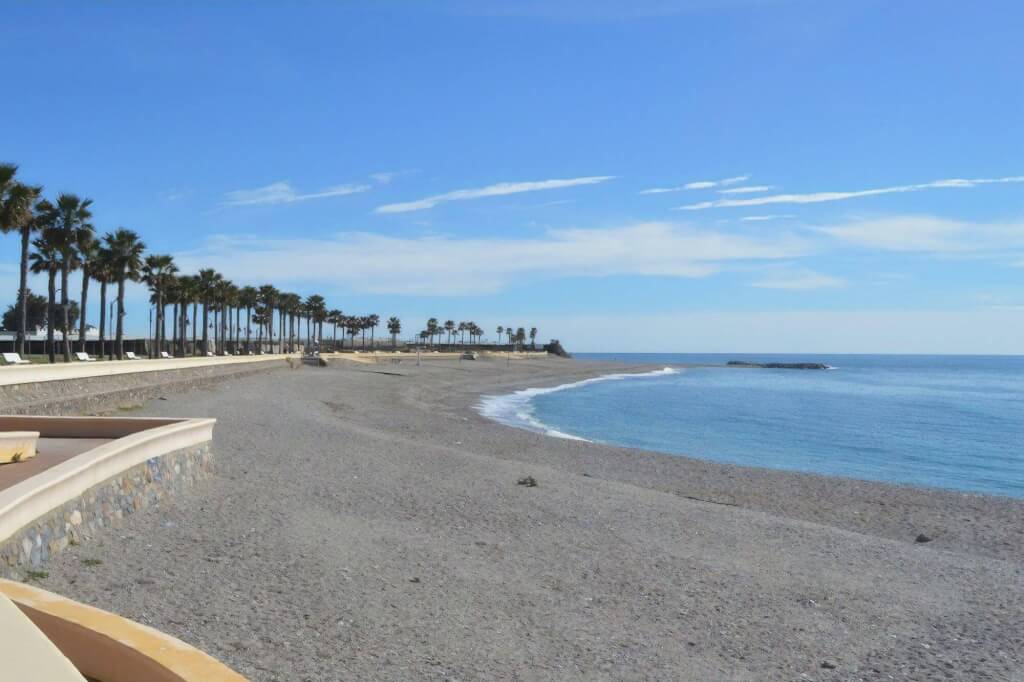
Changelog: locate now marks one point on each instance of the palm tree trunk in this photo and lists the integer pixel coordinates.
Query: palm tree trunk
(206, 333)
(248, 329)
(51, 316)
(82, 307)
(23, 291)
(238, 326)
(65, 304)
(119, 338)
(103, 318)
(163, 326)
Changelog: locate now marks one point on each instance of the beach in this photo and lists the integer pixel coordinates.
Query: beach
(365, 522)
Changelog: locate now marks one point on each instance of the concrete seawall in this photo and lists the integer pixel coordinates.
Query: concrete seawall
(108, 392)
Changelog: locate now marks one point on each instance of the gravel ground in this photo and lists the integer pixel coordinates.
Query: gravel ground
(365, 523)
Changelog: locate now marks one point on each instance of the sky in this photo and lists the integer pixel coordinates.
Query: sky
(660, 175)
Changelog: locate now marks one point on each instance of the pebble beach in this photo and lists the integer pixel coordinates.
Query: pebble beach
(365, 522)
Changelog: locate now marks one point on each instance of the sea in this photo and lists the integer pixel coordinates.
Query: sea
(954, 422)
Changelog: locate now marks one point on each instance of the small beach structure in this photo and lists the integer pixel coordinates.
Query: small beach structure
(14, 359)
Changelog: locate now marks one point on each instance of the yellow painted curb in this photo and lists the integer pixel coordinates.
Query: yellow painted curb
(107, 647)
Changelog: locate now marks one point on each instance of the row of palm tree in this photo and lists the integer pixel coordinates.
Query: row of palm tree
(58, 238)
(450, 329)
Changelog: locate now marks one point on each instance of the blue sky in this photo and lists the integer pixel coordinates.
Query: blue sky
(840, 176)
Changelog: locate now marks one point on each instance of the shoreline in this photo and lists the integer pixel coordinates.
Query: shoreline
(514, 409)
(365, 522)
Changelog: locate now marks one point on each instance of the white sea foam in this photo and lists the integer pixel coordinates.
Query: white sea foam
(516, 409)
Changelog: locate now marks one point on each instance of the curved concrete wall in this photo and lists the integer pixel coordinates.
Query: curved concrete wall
(24, 502)
(65, 504)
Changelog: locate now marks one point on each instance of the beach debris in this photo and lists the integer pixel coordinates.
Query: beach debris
(528, 481)
(922, 538)
(828, 665)
(414, 579)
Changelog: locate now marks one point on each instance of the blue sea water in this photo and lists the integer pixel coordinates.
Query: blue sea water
(939, 421)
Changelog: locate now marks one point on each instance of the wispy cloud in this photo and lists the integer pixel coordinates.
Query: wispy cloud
(499, 189)
(804, 280)
(929, 234)
(433, 265)
(386, 177)
(821, 197)
(763, 218)
(176, 193)
(284, 193)
(753, 189)
(699, 184)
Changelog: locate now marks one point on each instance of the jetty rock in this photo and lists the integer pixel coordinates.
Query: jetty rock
(778, 365)
(555, 348)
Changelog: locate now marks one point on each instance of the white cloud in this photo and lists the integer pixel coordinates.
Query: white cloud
(699, 184)
(804, 280)
(821, 197)
(431, 266)
(763, 218)
(734, 181)
(284, 193)
(383, 178)
(176, 194)
(499, 189)
(929, 234)
(753, 189)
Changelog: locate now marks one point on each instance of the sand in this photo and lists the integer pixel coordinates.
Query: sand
(366, 523)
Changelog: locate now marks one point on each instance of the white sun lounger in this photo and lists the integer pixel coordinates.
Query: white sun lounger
(131, 355)
(14, 359)
(164, 354)
(84, 357)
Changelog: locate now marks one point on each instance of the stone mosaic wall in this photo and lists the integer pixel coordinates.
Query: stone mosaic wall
(102, 506)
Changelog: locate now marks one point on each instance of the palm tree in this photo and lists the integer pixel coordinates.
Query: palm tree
(500, 330)
(316, 307)
(70, 219)
(432, 329)
(207, 288)
(449, 326)
(268, 298)
(394, 328)
(533, 337)
(372, 321)
(100, 269)
(189, 285)
(16, 203)
(88, 252)
(46, 259)
(293, 307)
(520, 337)
(353, 327)
(223, 295)
(172, 295)
(157, 272)
(248, 297)
(126, 249)
(334, 318)
(463, 326)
